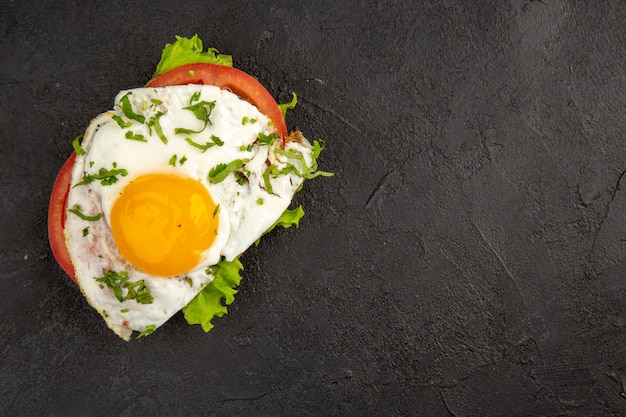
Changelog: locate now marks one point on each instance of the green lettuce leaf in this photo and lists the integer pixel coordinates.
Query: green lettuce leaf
(208, 303)
(287, 106)
(189, 51)
(287, 219)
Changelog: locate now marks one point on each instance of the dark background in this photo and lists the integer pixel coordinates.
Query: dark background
(467, 259)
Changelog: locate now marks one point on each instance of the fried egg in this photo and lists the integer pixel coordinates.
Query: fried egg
(165, 185)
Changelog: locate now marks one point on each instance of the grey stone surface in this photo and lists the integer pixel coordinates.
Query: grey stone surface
(467, 259)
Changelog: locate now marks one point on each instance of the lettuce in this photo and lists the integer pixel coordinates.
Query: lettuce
(208, 303)
(287, 219)
(226, 277)
(189, 51)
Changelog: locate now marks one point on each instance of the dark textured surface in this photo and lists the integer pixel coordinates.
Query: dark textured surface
(467, 259)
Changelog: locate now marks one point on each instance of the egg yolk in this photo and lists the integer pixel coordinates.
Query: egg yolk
(162, 223)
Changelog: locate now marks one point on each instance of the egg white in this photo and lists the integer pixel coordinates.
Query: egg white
(246, 209)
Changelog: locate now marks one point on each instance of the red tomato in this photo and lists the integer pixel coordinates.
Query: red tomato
(56, 216)
(240, 83)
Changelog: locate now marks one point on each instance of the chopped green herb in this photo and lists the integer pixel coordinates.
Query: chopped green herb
(241, 177)
(215, 141)
(286, 106)
(244, 120)
(127, 109)
(106, 176)
(118, 281)
(194, 97)
(120, 122)
(266, 177)
(309, 171)
(259, 201)
(172, 161)
(85, 231)
(154, 122)
(182, 160)
(189, 281)
(76, 145)
(139, 292)
(148, 330)
(124, 310)
(264, 139)
(130, 135)
(156, 101)
(219, 172)
(202, 110)
(217, 210)
(78, 212)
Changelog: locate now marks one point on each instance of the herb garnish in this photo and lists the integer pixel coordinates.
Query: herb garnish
(202, 110)
(78, 212)
(219, 172)
(127, 109)
(264, 139)
(120, 122)
(130, 135)
(154, 122)
(76, 145)
(119, 281)
(106, 176)
(215, 141)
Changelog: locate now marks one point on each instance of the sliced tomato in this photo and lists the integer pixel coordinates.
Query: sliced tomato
(237, 81)
(240, 83)
(56, 216)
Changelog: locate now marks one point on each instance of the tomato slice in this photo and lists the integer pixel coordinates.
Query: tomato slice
(56, 216)
(240, 83)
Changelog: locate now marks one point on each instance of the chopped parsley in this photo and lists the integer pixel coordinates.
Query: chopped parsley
(154, 122)
(309, 172)
(286, 106)
(120, 122)
(127, 109)
(130, 135)
(215, 141)
(219, 172)
(172, 161)
(85, 231)
(106, 176)
(76, 145)
(264, 139)
(202, 110)
(76, 210)
(119, 281)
